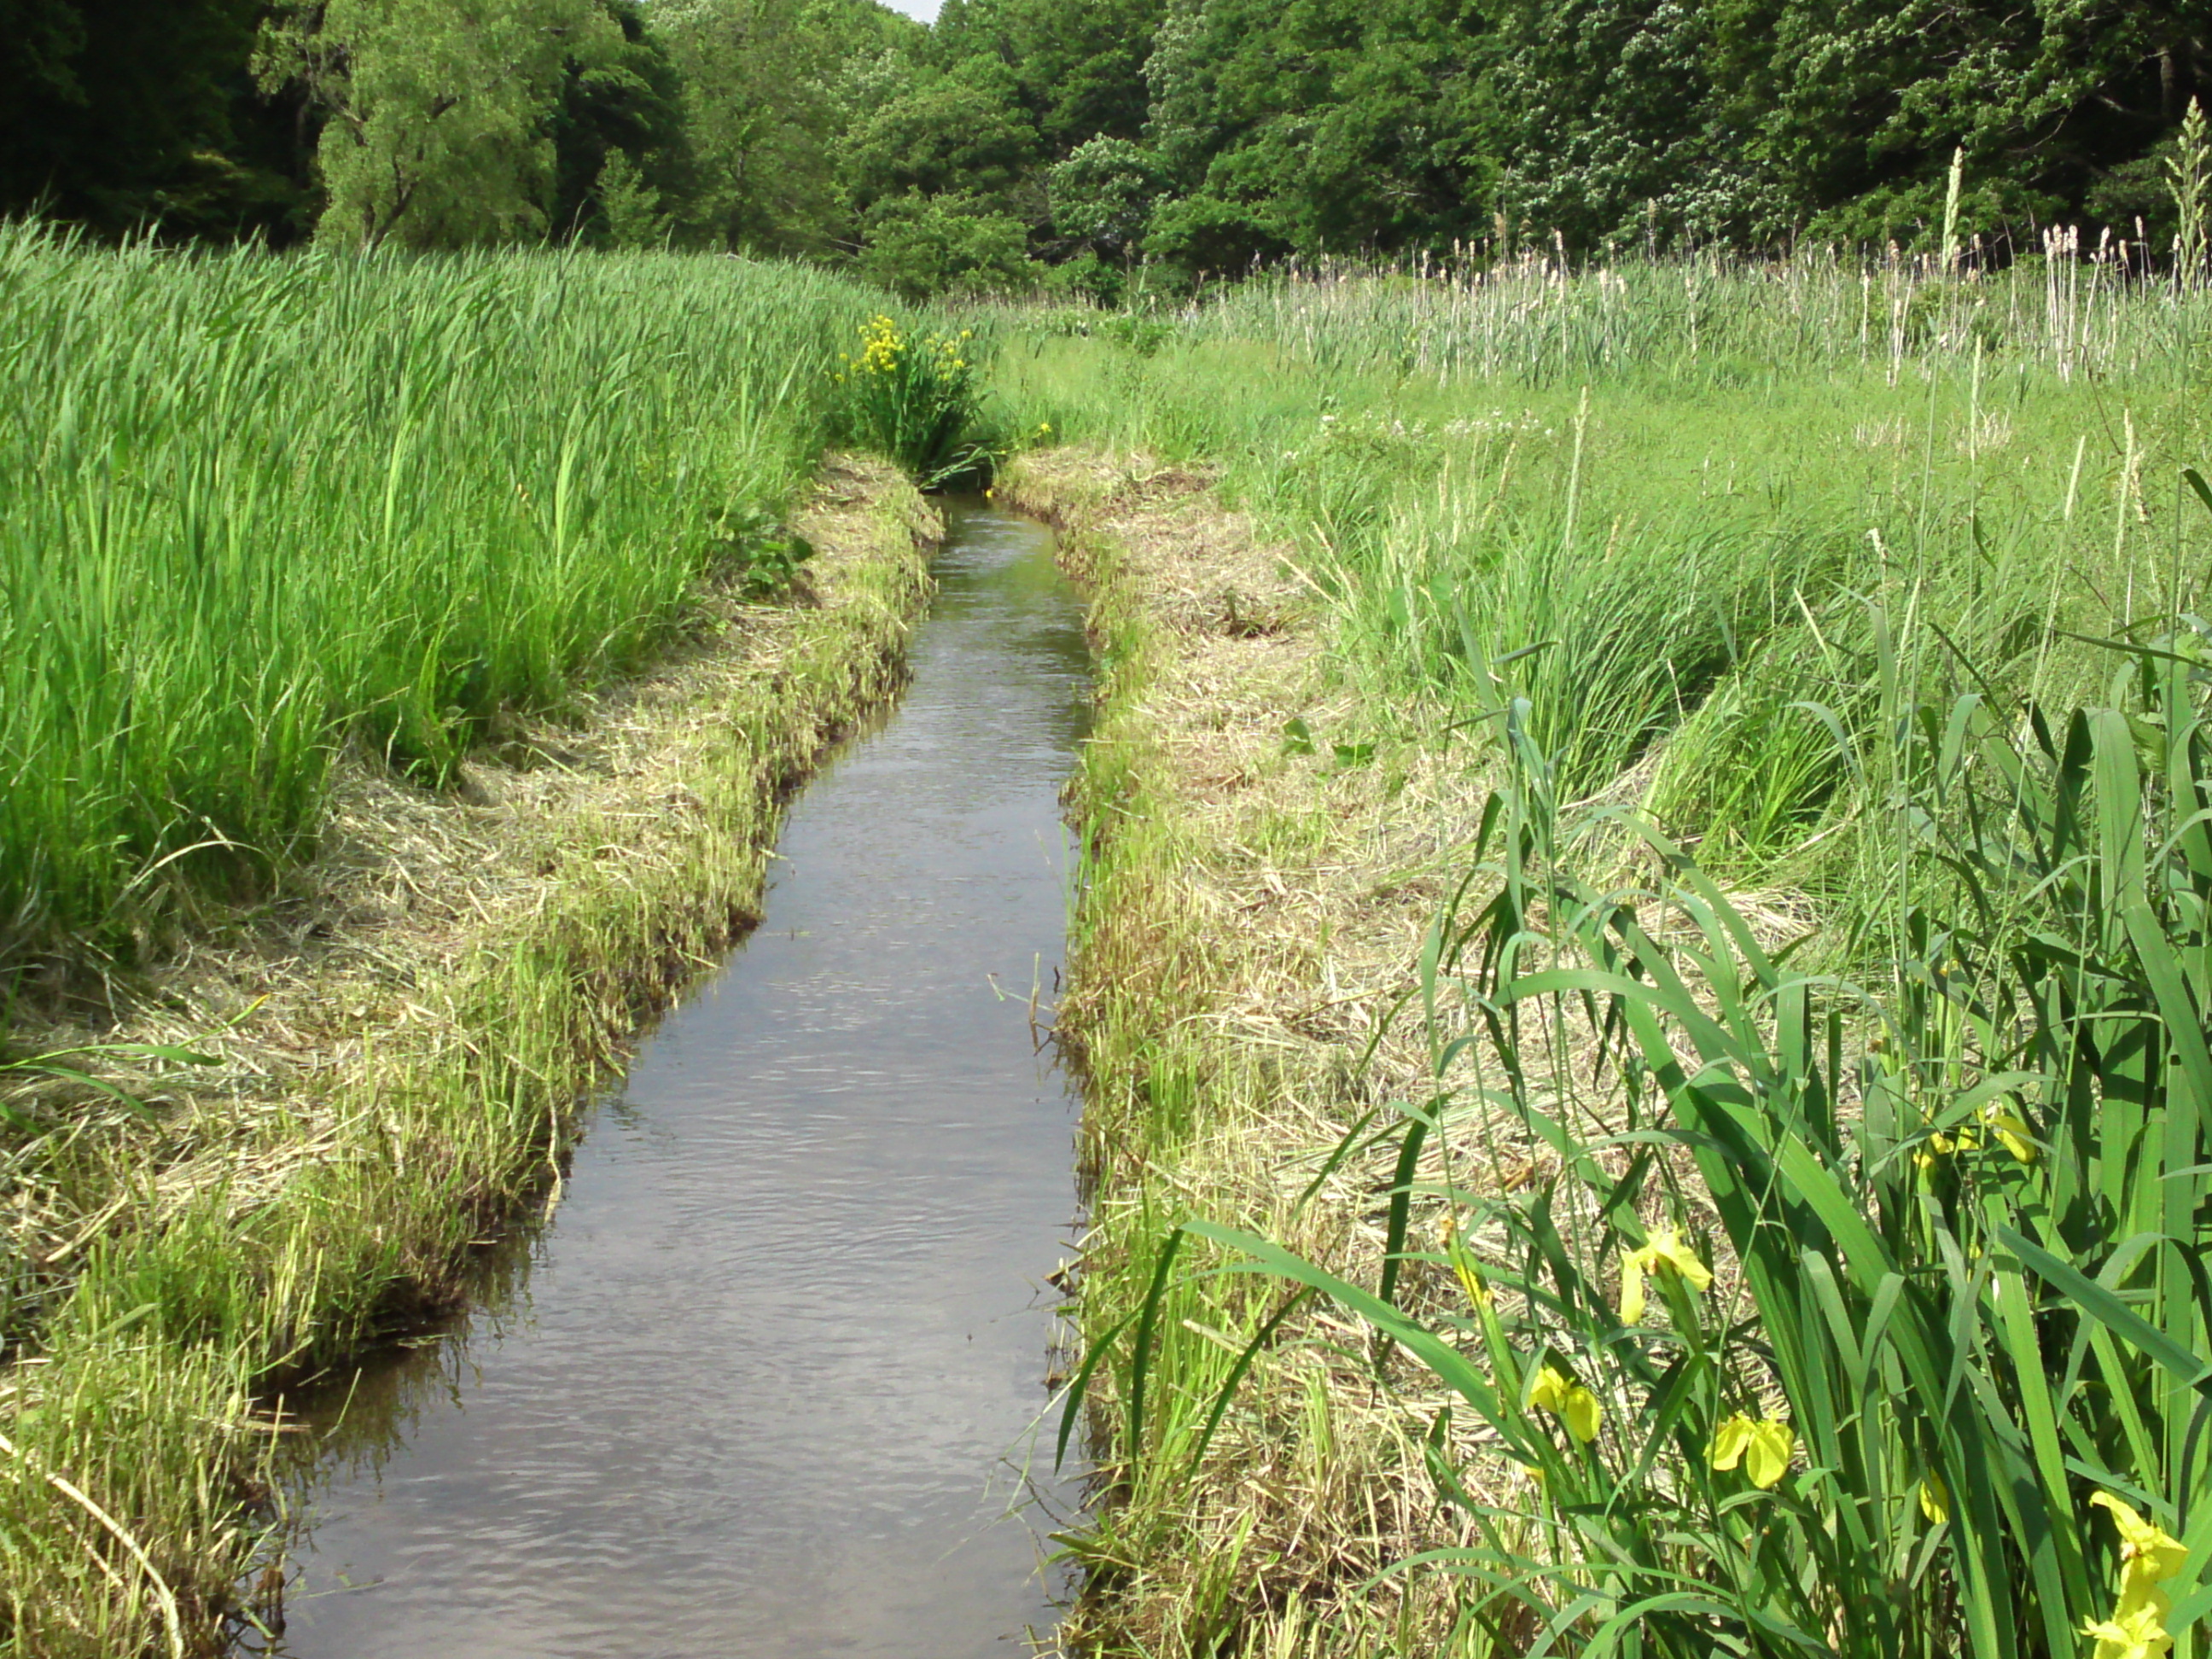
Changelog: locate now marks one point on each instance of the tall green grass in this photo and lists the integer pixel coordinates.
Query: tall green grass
(1959, 1214)
(1670, 545)
(254, 509)
(1880, 591)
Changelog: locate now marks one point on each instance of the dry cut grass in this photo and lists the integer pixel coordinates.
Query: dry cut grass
(1248, 938)
(400, 1045)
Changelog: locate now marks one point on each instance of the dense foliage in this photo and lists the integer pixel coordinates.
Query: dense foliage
(1069, 140)
(377, 509)
(1786, 1212)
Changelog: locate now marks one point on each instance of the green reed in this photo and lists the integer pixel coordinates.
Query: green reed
(1867, 587)
(1958, 1216)
(254, 509)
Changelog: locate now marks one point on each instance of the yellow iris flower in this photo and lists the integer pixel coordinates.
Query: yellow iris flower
(2009, 1128)
(2148, 1556)
(2138, 1634)
(1664, 1252)
(1940, 1145)
(1554, 1391)
(1763, 1445)
(2146, 1548)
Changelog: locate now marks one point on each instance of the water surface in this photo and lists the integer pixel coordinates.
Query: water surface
(755, 1390)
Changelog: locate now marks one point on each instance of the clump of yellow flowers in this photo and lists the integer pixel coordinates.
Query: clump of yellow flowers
(885, 351)
(882, 346)
(914, 398)
(2148, 1556)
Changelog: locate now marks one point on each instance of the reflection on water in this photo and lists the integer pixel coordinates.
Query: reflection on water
(756, 1391)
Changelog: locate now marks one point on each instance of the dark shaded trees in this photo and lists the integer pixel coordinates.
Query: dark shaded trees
(1075, 67)
(623, 108)
(1206, 134)
(1752, 121)
(772, 90)
(2049, 102)
(124, 114)
(1324, 126)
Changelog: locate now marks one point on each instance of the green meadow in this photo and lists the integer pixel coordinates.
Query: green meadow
(1731, 483)
(1829, 645)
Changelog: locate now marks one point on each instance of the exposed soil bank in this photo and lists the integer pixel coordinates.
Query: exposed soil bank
(1254, 912)
(410, 1033)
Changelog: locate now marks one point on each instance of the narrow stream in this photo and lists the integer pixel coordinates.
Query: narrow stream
(763, 1387)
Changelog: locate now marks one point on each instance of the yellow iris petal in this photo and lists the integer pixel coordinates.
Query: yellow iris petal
(1663, 1252)
(2139, 1635)
(1729, 1441)
(2145, 1546)
(1767, 1459)
(1631, 1287)
(1667, 1247)
(1549, 1388)
(1568, 1400)
(1934, 1499)
(1763, 1445)
(1582, 1413)
(2011, 1131)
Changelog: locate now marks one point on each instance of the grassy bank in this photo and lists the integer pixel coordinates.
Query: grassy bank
(1249, 911)
(1777, 694)
(403, 666)
(400, 1052)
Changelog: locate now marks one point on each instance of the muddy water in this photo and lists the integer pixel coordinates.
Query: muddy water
(762, 1387)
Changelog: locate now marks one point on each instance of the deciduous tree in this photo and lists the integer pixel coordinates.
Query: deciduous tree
(439, 112)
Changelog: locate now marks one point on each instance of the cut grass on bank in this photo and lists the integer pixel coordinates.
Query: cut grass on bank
(1895, 630)
(1247, 909)
(402, 1048)
(341, 846)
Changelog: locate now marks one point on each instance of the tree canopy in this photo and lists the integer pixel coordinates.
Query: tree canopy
(1068, 140)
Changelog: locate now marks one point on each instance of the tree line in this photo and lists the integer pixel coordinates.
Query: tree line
(1070, 142)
